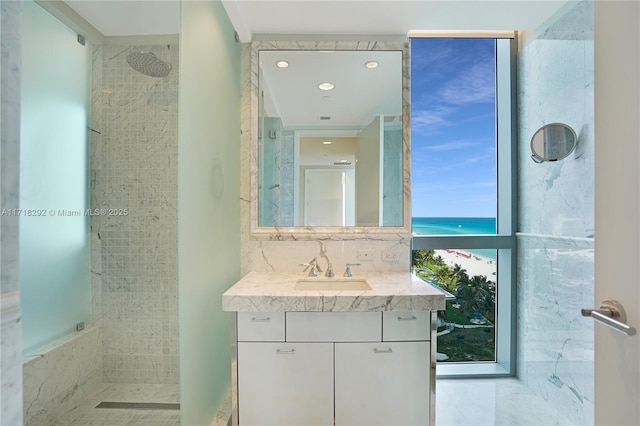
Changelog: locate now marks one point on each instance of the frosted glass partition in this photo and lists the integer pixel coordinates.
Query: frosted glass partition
(209, 182)
(55, 278)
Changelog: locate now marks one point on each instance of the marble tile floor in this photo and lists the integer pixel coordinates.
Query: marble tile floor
(459, 402)
(87, 415)
(489, 402)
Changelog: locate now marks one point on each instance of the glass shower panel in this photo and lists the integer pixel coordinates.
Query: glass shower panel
(55, 276)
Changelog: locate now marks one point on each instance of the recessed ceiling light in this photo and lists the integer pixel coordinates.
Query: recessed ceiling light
(326, 86)
(371, 64)
(326, 143)
(282, 64)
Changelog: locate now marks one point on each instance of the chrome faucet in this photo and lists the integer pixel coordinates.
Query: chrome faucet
(313, 264)
(347, 272)
(329, 273)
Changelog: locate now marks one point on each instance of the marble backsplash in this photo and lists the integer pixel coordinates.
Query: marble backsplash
(286, 256)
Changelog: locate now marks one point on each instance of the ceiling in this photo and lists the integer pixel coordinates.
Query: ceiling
(249, 17)
(131, 17)
(360, 93)
(324, 17)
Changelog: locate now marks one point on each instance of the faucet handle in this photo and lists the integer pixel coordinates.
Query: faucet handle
(313, 272)
(347, 272)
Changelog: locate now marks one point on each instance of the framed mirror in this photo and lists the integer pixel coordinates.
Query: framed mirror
(553, 142)
(331, 144)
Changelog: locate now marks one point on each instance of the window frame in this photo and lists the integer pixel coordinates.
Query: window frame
(504, 240)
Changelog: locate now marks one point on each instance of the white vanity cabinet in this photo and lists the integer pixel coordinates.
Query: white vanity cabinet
(382, 383)
(285, 384)
(338, 368)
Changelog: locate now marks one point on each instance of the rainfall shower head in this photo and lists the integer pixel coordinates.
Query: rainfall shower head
(148, 63)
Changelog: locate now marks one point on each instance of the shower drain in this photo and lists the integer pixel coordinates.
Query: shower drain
(139, 405)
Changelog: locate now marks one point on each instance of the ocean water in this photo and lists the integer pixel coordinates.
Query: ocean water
(456, 226)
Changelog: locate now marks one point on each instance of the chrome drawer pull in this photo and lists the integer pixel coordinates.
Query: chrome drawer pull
(261, 319)
(411, 318)
(285, 351)
(382, 351)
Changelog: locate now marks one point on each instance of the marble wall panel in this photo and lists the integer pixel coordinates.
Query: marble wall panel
(555, 343)
(555, 85)
(95, 165)
(11, 332)
(61, 376)
(556, 219)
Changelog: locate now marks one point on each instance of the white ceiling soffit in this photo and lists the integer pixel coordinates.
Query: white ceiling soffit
(130, 17)
(390, 17)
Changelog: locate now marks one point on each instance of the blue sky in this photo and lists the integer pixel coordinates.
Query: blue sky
(453, 148)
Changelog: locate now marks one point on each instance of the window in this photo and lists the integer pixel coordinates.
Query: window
(463, 196)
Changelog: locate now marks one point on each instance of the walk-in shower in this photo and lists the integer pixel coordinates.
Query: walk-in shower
(148, 63)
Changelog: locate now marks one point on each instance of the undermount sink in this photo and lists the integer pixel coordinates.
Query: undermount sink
(332, 284)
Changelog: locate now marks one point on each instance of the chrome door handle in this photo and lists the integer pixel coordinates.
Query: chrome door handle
(612, 314)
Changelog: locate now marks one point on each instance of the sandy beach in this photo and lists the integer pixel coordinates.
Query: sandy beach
(475, 265)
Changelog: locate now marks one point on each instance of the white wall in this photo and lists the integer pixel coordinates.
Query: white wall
(208, 204)
(617, 250)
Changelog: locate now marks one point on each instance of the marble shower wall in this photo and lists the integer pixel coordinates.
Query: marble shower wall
(556, 219)
(281, 251)
(134, 167)
(11, 353)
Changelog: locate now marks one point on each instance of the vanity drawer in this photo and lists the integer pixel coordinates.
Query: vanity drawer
(334, 326)
(261, 326)
(406, 326)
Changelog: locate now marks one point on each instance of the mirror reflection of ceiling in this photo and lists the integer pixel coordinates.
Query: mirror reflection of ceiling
(341, 151)
(360, 92)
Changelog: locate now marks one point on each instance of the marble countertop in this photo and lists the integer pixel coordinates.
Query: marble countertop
(274, 292)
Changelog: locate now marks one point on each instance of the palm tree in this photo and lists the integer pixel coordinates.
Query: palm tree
(421, 258)
(459, 272)
(478, 295)
(443, 276)
(470, 299)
